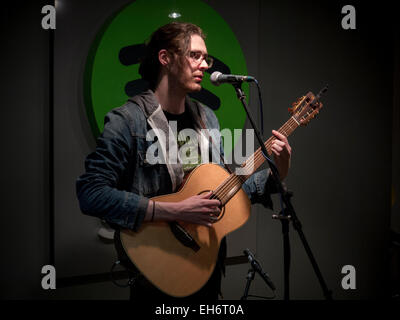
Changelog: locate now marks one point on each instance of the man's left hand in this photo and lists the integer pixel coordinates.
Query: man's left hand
(282, 152)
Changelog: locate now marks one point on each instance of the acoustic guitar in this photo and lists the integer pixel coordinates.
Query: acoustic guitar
(179, 258)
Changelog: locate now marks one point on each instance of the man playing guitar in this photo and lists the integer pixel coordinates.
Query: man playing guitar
(119, 181)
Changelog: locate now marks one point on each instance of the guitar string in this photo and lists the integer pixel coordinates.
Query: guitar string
(268, 143)
(233, 180)
(259, 156)
(286, 129)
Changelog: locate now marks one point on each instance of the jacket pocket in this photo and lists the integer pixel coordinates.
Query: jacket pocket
(149, 176)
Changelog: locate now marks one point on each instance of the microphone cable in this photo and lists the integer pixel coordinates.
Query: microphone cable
(261, 107)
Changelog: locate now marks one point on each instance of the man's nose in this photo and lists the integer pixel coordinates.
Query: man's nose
(203, 65)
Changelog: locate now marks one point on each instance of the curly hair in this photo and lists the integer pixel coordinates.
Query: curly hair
(174, 37)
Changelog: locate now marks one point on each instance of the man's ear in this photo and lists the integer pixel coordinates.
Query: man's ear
(164, 57)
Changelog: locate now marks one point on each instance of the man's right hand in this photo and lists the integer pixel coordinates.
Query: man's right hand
(199, 209)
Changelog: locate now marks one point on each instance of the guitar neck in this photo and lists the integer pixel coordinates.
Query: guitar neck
(231, 185)
(257, 159)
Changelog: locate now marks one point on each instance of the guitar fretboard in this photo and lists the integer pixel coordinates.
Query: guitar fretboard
(234, 182)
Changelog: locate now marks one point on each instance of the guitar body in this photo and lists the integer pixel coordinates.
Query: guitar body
(172, 267)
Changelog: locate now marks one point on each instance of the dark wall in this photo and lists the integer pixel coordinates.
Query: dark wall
(341, 163)
(341, 173)
(25, 149)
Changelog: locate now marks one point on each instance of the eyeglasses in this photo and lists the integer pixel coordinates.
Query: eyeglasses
(198, 57)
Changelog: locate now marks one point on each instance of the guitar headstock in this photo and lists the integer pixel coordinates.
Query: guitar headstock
(305, 109)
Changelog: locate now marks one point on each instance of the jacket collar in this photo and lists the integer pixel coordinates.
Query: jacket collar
(149, 104)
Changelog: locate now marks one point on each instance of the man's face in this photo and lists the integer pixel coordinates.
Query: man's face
(188, 73)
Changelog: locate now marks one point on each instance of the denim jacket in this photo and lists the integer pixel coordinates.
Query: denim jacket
(118, 180)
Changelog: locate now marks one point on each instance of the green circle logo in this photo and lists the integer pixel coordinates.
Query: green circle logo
(111, 73)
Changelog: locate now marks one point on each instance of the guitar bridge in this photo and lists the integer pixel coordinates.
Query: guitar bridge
(183, 236)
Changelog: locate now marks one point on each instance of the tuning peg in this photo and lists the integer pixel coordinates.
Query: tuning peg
(294, 104)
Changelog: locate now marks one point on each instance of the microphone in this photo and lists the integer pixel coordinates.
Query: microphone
(217, 78)
(257, 267)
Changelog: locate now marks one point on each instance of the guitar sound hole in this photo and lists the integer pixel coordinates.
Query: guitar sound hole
(222, 212)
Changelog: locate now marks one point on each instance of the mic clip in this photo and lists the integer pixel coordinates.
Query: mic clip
(281, 217)
(256, 266)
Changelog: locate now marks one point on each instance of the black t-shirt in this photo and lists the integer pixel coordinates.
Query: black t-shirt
(190, 155)
(184, 120)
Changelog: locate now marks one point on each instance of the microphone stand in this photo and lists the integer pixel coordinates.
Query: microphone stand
(288, 213)
(256, 267)
(249, 277)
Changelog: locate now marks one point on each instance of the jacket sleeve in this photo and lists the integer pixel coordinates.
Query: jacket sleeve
(97, 189)
(259, 188)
